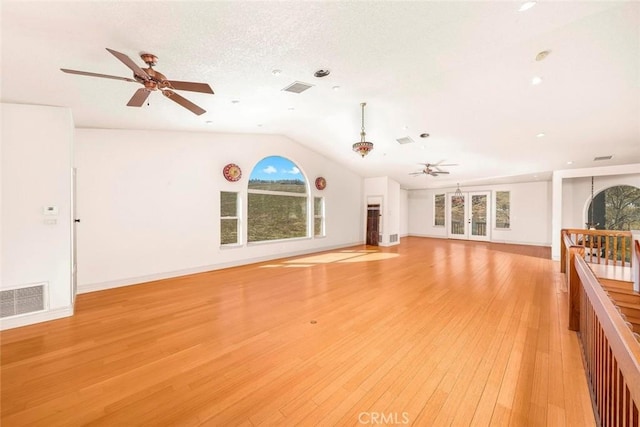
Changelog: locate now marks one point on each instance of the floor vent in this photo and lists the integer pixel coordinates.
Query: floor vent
(393, 238)
(22, 300)
(297, 87)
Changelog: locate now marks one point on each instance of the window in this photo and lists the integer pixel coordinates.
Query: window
(438, 210)
(318, 216)
(503, 207)
(229, 223)
(616, 208)
(277, 201)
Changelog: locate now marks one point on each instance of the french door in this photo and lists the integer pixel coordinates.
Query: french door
(469, 215)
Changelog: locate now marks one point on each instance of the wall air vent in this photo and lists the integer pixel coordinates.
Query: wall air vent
(405, 140)
(393, 238)
(597, 159)
(22, 300)
(297, 87)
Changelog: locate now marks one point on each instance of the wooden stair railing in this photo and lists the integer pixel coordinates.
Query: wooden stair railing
(609, 247)
(611, 353)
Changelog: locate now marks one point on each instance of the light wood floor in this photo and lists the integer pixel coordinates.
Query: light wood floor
(429, 333)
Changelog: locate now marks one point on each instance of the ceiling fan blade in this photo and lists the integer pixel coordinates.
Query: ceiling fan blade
(184, 102)
(444, 172)
(129, 63)
(416, 173)
(190, 86)
(139, 97)
(105, 76)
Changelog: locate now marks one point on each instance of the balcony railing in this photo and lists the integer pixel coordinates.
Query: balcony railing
(610, 349)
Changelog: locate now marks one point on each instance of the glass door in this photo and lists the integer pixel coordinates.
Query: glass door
(457, 228)
(469, 216)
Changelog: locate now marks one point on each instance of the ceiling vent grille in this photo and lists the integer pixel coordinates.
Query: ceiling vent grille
(597, 159)
(405, 140)
(297, 87)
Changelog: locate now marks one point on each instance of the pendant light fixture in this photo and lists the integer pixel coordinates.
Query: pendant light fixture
(458, 194)
(363, 147)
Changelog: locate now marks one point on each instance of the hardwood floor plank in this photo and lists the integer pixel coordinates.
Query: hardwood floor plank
(429, 332)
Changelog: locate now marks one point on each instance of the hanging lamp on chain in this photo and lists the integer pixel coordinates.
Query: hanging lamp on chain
(458, 194)
(363, 147)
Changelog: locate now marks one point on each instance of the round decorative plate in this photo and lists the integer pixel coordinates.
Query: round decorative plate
(232, 172)
(321, 183)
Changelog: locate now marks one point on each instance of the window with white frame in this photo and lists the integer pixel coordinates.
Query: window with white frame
(276, 201)
(318, 217)
(229, 218)
(503, 209)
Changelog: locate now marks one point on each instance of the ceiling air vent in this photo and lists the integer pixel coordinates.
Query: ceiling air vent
(405, 140)
(297, 87)
(597, 159)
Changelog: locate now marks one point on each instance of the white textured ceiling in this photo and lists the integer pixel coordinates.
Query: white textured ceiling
(459, 71)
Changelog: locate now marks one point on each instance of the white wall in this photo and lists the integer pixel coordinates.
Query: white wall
(149, 203)
(560, 199)
(36, 172)
(576, 195)
(530, 212)
(404, 212)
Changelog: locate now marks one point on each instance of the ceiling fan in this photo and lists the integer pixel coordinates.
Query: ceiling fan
(433, 169)
(151, 80)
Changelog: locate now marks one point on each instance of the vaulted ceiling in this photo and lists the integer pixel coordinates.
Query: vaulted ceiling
(460, 71)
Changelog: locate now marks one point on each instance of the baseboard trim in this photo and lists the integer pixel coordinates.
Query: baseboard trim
(31, 318)
(506, 242)
(101, 286)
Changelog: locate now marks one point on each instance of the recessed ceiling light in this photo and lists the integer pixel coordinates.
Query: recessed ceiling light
(405, 127)
(527, 5)
(336, 88)
(570, 162)
(424, 135)
(540, 135)
(209, 122)
(235, 101)
(259, 125)
(536, 80)
(541, 55)
(291, 108)
(276, 72)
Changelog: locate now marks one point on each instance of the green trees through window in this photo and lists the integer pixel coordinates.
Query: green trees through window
(616, 208)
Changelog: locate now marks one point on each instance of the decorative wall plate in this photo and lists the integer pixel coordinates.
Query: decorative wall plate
(321, 183)
(232, 172)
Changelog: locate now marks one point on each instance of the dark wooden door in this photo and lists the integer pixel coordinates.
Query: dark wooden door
(373, 224)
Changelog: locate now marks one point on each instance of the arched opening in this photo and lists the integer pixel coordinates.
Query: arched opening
(277, 201)
(615, 208)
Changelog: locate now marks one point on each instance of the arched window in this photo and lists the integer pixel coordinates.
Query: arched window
(277, 201)
(616, 208)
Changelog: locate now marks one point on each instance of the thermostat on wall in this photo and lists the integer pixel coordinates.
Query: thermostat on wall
(50, 210)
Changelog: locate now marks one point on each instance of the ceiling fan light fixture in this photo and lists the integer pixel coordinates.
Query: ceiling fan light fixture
(362, 147)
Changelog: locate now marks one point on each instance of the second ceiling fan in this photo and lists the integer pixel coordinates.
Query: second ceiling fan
(433, 169)
(152, 80)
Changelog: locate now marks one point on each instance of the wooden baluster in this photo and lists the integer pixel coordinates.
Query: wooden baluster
(606, 249)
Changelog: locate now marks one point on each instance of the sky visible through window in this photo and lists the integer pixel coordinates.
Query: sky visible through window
(276, 168)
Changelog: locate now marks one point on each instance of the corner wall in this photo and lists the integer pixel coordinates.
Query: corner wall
(36, 172)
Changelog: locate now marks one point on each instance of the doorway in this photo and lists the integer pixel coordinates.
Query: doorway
(373, 225)
(469, 216)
